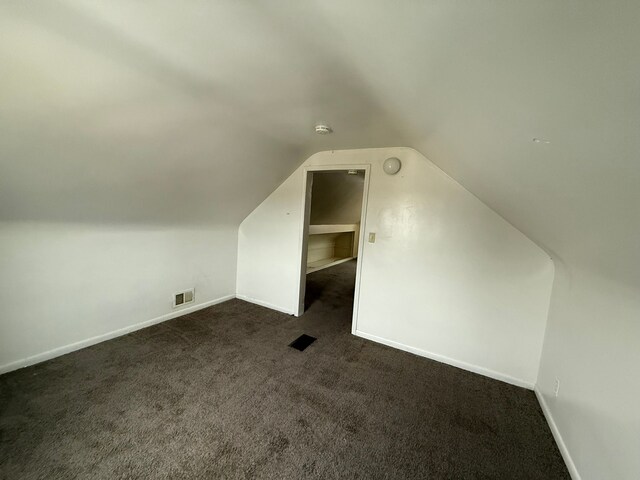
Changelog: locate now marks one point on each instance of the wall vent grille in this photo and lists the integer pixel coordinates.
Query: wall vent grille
(182, 298)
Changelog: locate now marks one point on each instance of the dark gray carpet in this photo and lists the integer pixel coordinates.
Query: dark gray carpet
(219, 394)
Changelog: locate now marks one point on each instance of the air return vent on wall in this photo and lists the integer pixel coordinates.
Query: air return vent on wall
(183, 297)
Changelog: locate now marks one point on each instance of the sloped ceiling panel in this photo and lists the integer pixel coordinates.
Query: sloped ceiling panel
(166, 112)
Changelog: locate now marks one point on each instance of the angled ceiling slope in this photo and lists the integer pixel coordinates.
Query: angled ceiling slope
(139, 112)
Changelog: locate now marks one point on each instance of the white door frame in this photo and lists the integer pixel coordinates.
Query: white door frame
(304, 230)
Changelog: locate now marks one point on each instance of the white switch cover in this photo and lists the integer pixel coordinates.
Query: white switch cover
(372, 237)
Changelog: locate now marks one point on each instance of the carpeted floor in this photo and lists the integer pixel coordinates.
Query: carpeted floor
(219, 394)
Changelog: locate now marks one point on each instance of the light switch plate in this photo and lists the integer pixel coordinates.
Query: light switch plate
(372, 237)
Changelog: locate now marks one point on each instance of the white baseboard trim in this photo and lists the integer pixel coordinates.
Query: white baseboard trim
(72, 347)
(264, 304)
(564, 451)
(449, 361)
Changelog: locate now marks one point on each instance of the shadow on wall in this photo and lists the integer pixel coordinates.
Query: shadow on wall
(336, 198)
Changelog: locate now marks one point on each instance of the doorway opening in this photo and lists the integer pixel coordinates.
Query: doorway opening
(332, 234)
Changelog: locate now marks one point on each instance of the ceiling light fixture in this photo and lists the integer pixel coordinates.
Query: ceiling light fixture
(323, 129)
(541, 140)
(391, 166)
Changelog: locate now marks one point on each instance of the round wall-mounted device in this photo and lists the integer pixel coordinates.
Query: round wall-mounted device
(391, 166)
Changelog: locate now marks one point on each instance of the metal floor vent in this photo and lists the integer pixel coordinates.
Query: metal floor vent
(183, 297)
(302, 342)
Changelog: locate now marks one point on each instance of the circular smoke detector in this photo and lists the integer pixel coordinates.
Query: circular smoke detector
(322, 129)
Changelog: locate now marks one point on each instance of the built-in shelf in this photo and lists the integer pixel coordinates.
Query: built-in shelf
(320, 229)
(330, 245)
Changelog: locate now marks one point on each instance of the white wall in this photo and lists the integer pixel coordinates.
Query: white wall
(447, 278)
(61, 284)
(592, 346)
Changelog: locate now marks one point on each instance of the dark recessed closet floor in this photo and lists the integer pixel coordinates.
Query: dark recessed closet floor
(219, 394)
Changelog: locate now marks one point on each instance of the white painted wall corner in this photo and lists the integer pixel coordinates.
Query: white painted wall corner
(72, 347)
(564, 451)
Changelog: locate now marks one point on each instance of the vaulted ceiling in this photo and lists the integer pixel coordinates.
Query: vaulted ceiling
(194, 111)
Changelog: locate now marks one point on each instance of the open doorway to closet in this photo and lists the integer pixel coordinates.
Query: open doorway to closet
(335, 200)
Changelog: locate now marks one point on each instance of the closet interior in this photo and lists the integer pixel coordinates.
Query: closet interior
(334, 226)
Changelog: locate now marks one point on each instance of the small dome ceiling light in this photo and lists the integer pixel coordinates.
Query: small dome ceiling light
(391, 166)
(323, 129)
